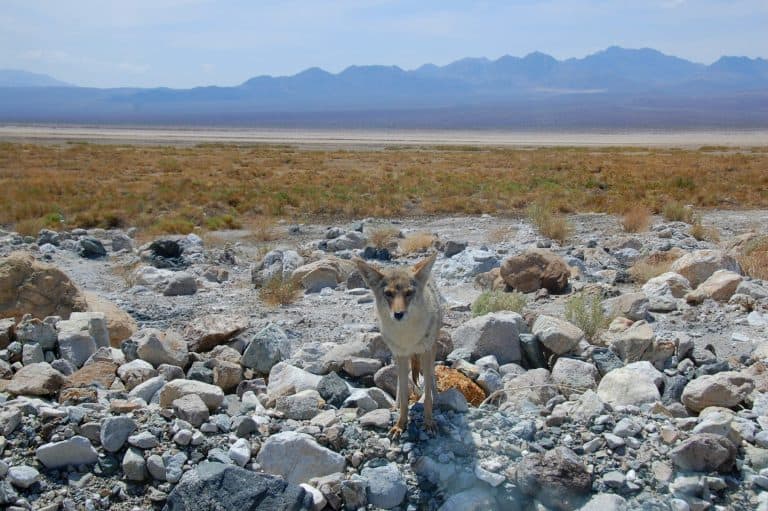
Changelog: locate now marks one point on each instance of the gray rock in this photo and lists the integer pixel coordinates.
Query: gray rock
(156, 467)
(625, 386)
(148, 389)
(240, 452)
(211, 395)
(115, 432)
(496, 334)
(10, 418)
(23, 476)
(180, 284)
(558, 335)
(632, 306)
(558, 478)
(191, 408)
(386, 485)
(285, 379)
(298, 457)
(134, 466)
(73, 451)
(635, 343)
(358, 366)
(300, 406)
(473, 499)
(268, 346)
(220, 486)
(33, 330)
(726, 389)
(121, 241)
(704, 452)
(32, 354)
(698, 265)
(452, 399)
(333, 389)
(378, 418)
(574, 376)
(135, 372)
(90, 248)
(75, 342)
(143, 440)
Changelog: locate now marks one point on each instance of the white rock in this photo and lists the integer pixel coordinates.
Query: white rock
(211, 395)
(297, 457)
(23, 476)
(559, 335)
(73, 451)
(625, 386)
(240, 452)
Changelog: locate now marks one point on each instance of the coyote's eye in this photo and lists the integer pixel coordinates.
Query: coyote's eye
(409, 293)
(389, 294)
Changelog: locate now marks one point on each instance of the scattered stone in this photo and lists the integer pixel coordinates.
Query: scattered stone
(386, 485)
(268, 346)
(535, 269)
(726, 389)
(558, 478)
(297, 457)
(558, 335)
(180, 284)
(496, 334)
(206, 332)
(73, 451)
(704, 452)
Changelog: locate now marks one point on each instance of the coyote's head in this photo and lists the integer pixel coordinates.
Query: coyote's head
(397, 288)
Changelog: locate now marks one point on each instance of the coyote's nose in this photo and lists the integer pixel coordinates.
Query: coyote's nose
(399, 315)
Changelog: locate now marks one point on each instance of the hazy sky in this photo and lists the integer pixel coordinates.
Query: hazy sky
(184, 43)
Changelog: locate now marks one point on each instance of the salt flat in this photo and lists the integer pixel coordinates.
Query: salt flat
(379, 138)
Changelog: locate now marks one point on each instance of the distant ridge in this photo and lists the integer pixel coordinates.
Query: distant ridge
(19, 78)
(615, 87)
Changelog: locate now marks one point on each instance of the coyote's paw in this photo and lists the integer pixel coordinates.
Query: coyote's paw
(430, 427)
(395, 432)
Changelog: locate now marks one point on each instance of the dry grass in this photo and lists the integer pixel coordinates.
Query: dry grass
(262, 229)
(549, 224)
(384, 236)
(703, 232)
(754, 258)
(675, 211)
(586, 312)
(501, 234)
(652, 266)
(417, 242)
(280, 291)
(178, 189)
(493, 301)
(636, 219)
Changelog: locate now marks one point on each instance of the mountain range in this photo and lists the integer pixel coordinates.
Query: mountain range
(613, 88)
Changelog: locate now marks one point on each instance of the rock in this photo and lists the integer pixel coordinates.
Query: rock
(534, 386)
(205, 332)
(726, 389)
(558, 478)
(606, 502)
(120, 242)
(752, 289)
(535, 269)
(647, 372)
(219, 486)
(10, 418)
(80, 336)
(704, 452)
(606, 360)
(386, 379)
(23, 476)
(697, 266)
(240, 452)
(120, 324)
(227, 375)
(33, 330)
(300, 406)
(558, 335)
(268, 346)
(48, 236)
(454, 247)
(180, 284)
(135, 372)
(134, 466)
(285, 379)
(378, 418)
(73, 451)
(574, 376)
(333, 389)
(719, 286)
(158, 348)
(7, 332)
(635, 343)
(211, 395)
(36, 380)
(496, 334)
(115, 432)
(147, 389)
(587, 406)
(625, 386)
(32, 354)
(297, 457)
(358, 366)
(327, 272)
(632, 306)
(90, 248)
(143, 440)
(386, 485)
(474, 499)
(452, 399)
(31, 287)
(100, 373)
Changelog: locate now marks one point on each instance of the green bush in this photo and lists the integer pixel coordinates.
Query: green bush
(586, 312)
(492, 301)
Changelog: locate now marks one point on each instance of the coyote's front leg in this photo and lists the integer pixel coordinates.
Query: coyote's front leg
(402, 397)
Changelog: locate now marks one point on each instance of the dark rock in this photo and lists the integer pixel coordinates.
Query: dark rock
(558, 478)
(222, 486)
(606, 360)
(533, 355)
(200, 372)
(333, 389)
(673, 388)
(91, 248)
(454, 247)
(168, 249)
(379, 254)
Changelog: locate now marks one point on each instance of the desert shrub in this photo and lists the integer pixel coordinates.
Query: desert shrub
(586, 312)
(675, 211)
(493, 301)
(704, 233)
(169, 165)
(280, 290)
(175, 224)
(382, 237)
(754, 258)
(218, 222)
(652, 266)
(263, 229)
(417, 242)
(636, 219)
(549, 224)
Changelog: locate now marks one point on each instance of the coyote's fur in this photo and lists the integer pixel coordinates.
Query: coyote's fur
(409, 310)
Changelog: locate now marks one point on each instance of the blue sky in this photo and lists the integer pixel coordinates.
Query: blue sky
(185, 43)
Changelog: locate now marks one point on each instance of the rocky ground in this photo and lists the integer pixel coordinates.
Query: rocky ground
(153, 375)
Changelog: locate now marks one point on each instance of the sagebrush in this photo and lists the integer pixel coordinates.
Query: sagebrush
(494, 301)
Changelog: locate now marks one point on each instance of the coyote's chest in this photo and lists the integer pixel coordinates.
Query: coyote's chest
(414, 334)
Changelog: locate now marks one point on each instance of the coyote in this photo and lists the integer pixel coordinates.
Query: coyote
(410, 315)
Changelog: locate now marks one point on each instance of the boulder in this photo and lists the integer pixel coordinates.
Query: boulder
(223, 486)
(667, 284)
(180, 283)
(36, 380)
(135, 372)
(100, 373)
(191, 408)
(535, 269)
(386, 485)
(726, 389)
(285, 379)
(158, 347)
(557, 478)
(697, 266)
(704, 452)
(268, 346)
(206, 332)
(632, 306)
(34, 330)
(574, 376)
(120, 324)
(73, 451)
(496, 333)
(30, 287)
(635, 343)
(719, 286)
(297, 457)
(627, 386)
(558, 335)
(328, 272)
(211, 395)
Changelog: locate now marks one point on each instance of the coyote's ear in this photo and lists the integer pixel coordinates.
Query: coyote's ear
(422, 268)
(371, 275)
